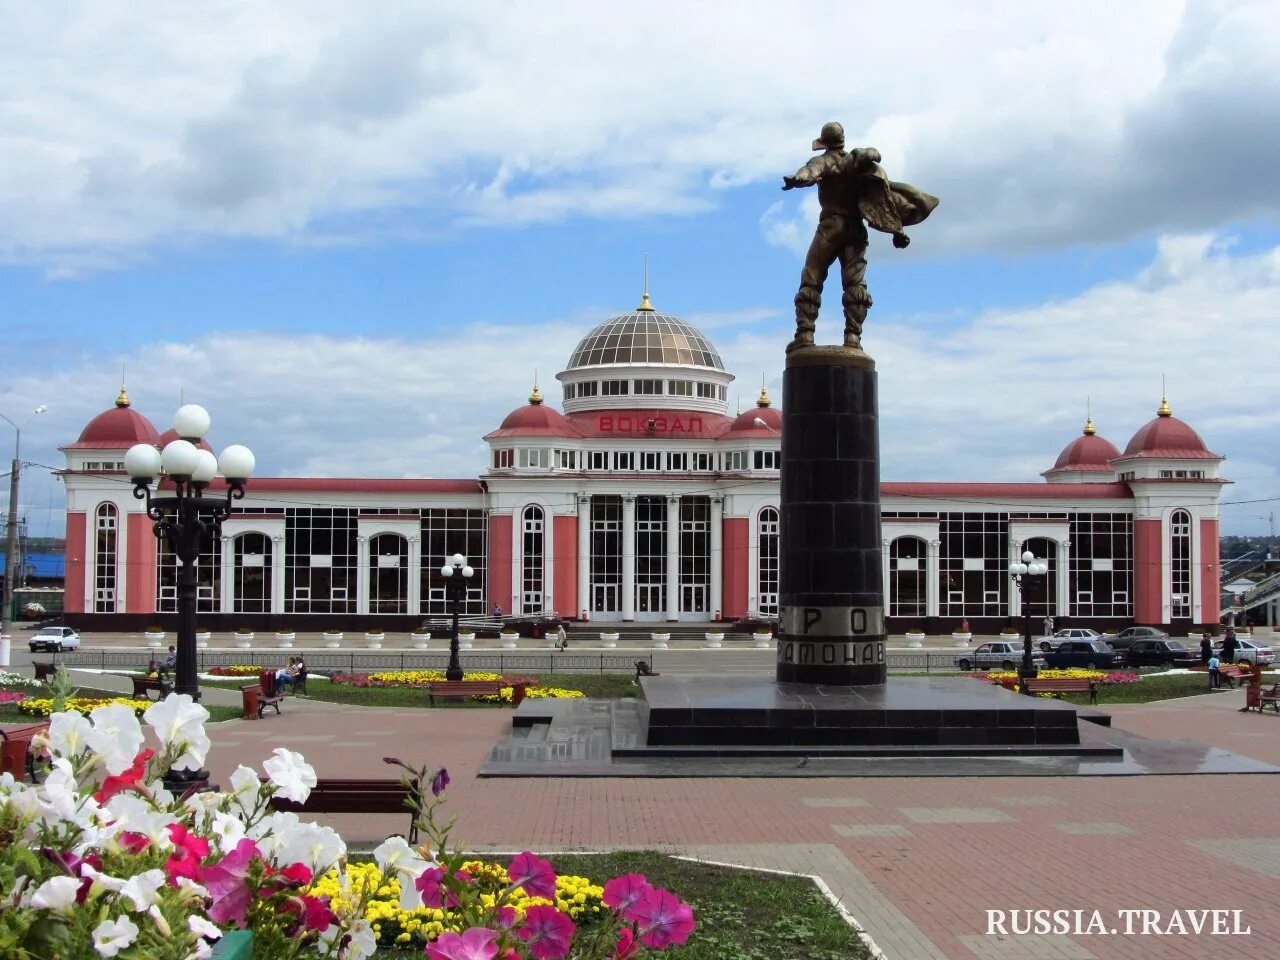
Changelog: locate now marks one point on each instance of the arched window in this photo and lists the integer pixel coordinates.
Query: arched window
(908, 568)
(251, 577)
(1180, 564)
(106, 526)
(767, 580)
(533, 548)
(389, 574)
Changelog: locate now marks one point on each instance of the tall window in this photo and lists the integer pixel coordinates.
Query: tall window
(973, 564)
(533, 548)
(1040, 593)
(251, 583)
(606, 554)
(1101, 572)
(447, 531)
(908, 568)
(389, 574)
(651, 555)
(208, 578)
(320, 560)
(106, 527)
(767, 587)
(695, 554)
(1180, 564)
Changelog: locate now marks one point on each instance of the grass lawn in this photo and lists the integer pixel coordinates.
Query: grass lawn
(1152, 688)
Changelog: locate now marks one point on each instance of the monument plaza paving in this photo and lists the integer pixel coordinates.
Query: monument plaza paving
(917, 860)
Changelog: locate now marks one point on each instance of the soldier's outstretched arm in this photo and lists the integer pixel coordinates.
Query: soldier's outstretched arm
(807, 175)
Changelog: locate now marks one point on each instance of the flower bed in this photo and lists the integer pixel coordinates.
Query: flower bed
(9, 679)
(43, 706)
(1068, 673)
(237, 670)
(12, 696)
(536, 693)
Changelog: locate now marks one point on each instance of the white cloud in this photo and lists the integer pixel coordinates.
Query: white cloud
(127, 128)
(993, 397)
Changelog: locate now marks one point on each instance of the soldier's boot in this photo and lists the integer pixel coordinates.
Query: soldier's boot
(856, 301)
(808, 302)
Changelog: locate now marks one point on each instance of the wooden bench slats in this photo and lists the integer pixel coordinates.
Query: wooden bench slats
(142, 687)
(22, 735)
(357, 796)
(1065, 685)
(457, 689)
(44, 671)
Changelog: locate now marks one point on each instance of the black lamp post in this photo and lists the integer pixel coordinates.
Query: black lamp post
(188, 519)
(1029, 566)
(456, 573)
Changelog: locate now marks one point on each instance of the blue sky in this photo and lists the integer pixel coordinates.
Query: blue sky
(354, 239)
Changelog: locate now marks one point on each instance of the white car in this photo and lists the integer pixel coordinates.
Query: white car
(56, 639)
(998, 653)
(1068, 633)
(1247, 650)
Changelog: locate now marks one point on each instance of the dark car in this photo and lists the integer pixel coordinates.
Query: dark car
(1161, 653)
(536, 625)
(1131, 635)
(755, 623)
(1081, 653)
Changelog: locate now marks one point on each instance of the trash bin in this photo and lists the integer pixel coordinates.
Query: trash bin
(249, 697)
(13, 758)
(517, 693)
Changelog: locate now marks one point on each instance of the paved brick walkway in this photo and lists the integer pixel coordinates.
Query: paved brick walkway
(917, 861)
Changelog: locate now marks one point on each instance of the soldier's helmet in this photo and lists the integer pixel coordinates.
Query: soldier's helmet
(832, 136)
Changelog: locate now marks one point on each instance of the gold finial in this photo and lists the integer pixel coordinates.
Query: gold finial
(1089, 428)
(763, 399)
(122, 398)
(1165, 410)
(645, 304)
(536, 397)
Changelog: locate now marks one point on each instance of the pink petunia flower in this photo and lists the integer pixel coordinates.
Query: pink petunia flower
(226, 884)
(547, 931)
(188, 851)
(626, 947)
(131, 842)
(536, 875)
(127, 779)
(473, 944)
(624, 892)
(316, 913)
(663, 919)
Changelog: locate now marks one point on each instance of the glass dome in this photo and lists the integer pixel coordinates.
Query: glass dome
(645, 337)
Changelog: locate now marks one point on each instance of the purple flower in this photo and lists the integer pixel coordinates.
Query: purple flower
(662, 919)
(473, 944)
(226, 884)
(624, 892)
(536, 875)
(547, 931)
(439, 782)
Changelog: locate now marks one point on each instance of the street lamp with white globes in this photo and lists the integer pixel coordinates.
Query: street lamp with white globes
(456, 573)
(1028, 566)
(188, 520)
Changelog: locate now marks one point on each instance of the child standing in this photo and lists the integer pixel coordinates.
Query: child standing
(1214, 679)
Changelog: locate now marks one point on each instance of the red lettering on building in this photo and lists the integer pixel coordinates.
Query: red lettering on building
(606, 424)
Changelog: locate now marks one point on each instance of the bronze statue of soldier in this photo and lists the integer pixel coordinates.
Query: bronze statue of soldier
(851, 188)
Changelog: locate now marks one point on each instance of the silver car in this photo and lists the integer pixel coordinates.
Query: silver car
(997, 653)
(1248, 651)
(1068, 633)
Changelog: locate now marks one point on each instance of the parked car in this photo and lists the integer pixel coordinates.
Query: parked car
(1082, 653)
(56, 639)
(1248, 651)
(1161, 653)
(1067, 633)
(755, 623)
(1129, 635)
(535, 625)
(998, 653)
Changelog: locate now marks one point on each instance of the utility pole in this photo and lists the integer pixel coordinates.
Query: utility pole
(11, 533)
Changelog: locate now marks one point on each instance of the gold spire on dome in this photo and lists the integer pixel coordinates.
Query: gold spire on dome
(645, 305)
(536, 397)
(763, 399)
(1089, 428)
(122, 398)
(1165, 410)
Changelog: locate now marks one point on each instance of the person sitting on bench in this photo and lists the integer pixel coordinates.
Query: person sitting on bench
(169, 663)
(287, 677)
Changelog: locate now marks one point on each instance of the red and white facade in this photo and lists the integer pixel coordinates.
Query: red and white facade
(646, 500)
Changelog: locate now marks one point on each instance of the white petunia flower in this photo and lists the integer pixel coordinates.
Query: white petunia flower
(57, 894)
(396, 858)
(363, 940)
(308, 843)
(229, 829)
(60, 794)
(291, 775)
(244, 790)
(112, 936)
(203, 927)
(178, 722)
(268, 831)
(142, 889)
(116, 736)
(135, 815)
(68, 734)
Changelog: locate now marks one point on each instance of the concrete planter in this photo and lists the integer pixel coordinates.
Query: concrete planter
(660, 640)
(915, 638)
(608, 640)
(714, 639)
(420, 638)
(959, 639)
(373, 639)
(284, 639)
(1011, 637)
(202, 639)
(333, 639)
(155, 638)
(762, 641)
(465, 639)
(509, 639)
(244, 641)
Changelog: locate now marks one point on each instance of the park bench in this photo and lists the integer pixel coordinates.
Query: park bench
(1229, 674)
(144, 686)
(1065, 685)
(44, 671)
(461, 689)
(15, 750)
(332, 795)
(270, 694)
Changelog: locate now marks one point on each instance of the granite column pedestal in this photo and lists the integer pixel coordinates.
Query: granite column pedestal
(832, 594)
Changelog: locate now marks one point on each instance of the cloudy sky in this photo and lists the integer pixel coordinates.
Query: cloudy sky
(354, 232)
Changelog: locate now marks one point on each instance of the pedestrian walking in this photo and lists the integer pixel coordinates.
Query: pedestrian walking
(1214, 680)
(1048, 626)
(1206, 647)
(562, 638)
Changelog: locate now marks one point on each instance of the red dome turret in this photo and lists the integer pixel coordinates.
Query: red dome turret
(1167, 437)
(171, 435)
(118, 428)
(762, 420)
(1087, 451)
(534, 419)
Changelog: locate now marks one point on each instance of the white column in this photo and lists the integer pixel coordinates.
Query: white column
(584, 555)
(1015, 595)
(884, 572)
(628, 558)
(362, 575)
(717, 556)
(548, 559)
(415, 575)
(1062, 585)
(226, 600)
(931, 605)
(673, 558)
(277, 574)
